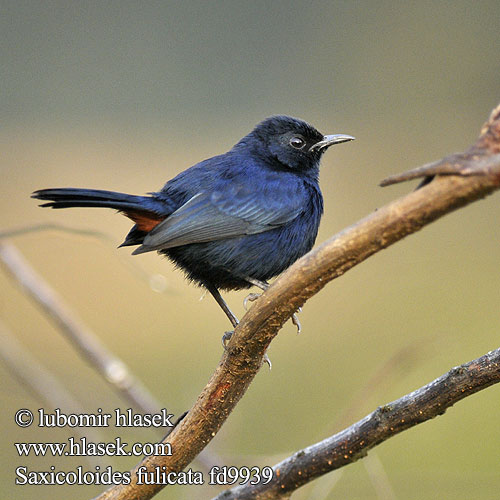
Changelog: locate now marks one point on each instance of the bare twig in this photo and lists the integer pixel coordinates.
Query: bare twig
(34, 228)
(40, 383)
(383, 375)
(31, 375)
(114, 370)
(156, 282)
(386, 421)
(90, 347)
(474, 161)
(379, 477)
(306, 277)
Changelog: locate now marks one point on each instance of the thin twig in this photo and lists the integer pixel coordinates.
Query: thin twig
(156, 282)
(35, 228)
(85, 341)
(378, 477)
(41, 384)
(384, 374)
(114, 370)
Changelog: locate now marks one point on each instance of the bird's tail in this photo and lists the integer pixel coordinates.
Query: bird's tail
(75, 197)
(146, 211)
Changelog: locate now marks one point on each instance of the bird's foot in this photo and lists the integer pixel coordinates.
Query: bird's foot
(266, 359)
(226, 337)
(251, 297)
(296, 321)
(264, 285)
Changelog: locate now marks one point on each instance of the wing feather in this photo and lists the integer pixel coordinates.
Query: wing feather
(225, 213)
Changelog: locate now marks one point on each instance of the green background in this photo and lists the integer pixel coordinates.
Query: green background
(124, 95)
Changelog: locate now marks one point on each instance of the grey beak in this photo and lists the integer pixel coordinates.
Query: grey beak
(329, 140)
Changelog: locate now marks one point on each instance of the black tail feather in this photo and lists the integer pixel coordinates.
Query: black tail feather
(145, 211)
(74, 197)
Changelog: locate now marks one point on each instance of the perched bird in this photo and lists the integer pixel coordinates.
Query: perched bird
(234, 220)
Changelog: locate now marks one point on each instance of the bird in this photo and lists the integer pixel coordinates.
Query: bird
(232, 221)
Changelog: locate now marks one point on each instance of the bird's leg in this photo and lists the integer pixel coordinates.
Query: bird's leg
(234, 320)
(264, 285)
(222, 303)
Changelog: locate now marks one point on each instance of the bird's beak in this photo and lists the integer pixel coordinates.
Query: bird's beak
(328, 140)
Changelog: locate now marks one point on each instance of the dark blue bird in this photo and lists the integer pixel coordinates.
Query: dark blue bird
(234, 220)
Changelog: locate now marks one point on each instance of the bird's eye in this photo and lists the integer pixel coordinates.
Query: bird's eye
(297, 142)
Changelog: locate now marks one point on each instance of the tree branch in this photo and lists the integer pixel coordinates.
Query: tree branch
(157, 282)
(386, 421)
(112, 369)
(243, 357)
(87, 344)
(41, 384)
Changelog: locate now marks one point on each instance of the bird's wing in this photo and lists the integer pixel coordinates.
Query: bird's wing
(234, 211)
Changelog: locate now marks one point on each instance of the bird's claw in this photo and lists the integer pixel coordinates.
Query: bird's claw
(296, 322)
(266, 359)
(251, 297)
(226, 337)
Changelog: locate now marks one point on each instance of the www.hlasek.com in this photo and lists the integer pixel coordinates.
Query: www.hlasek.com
(83, 448)
(107, 476)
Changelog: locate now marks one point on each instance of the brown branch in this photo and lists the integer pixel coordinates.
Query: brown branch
(87, 344)
(306, 277)
(475, 161)
(353, 443)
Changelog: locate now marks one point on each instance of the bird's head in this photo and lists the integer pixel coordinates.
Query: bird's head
(290, 143)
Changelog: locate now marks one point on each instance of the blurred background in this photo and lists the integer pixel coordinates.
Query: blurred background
(123, 95)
